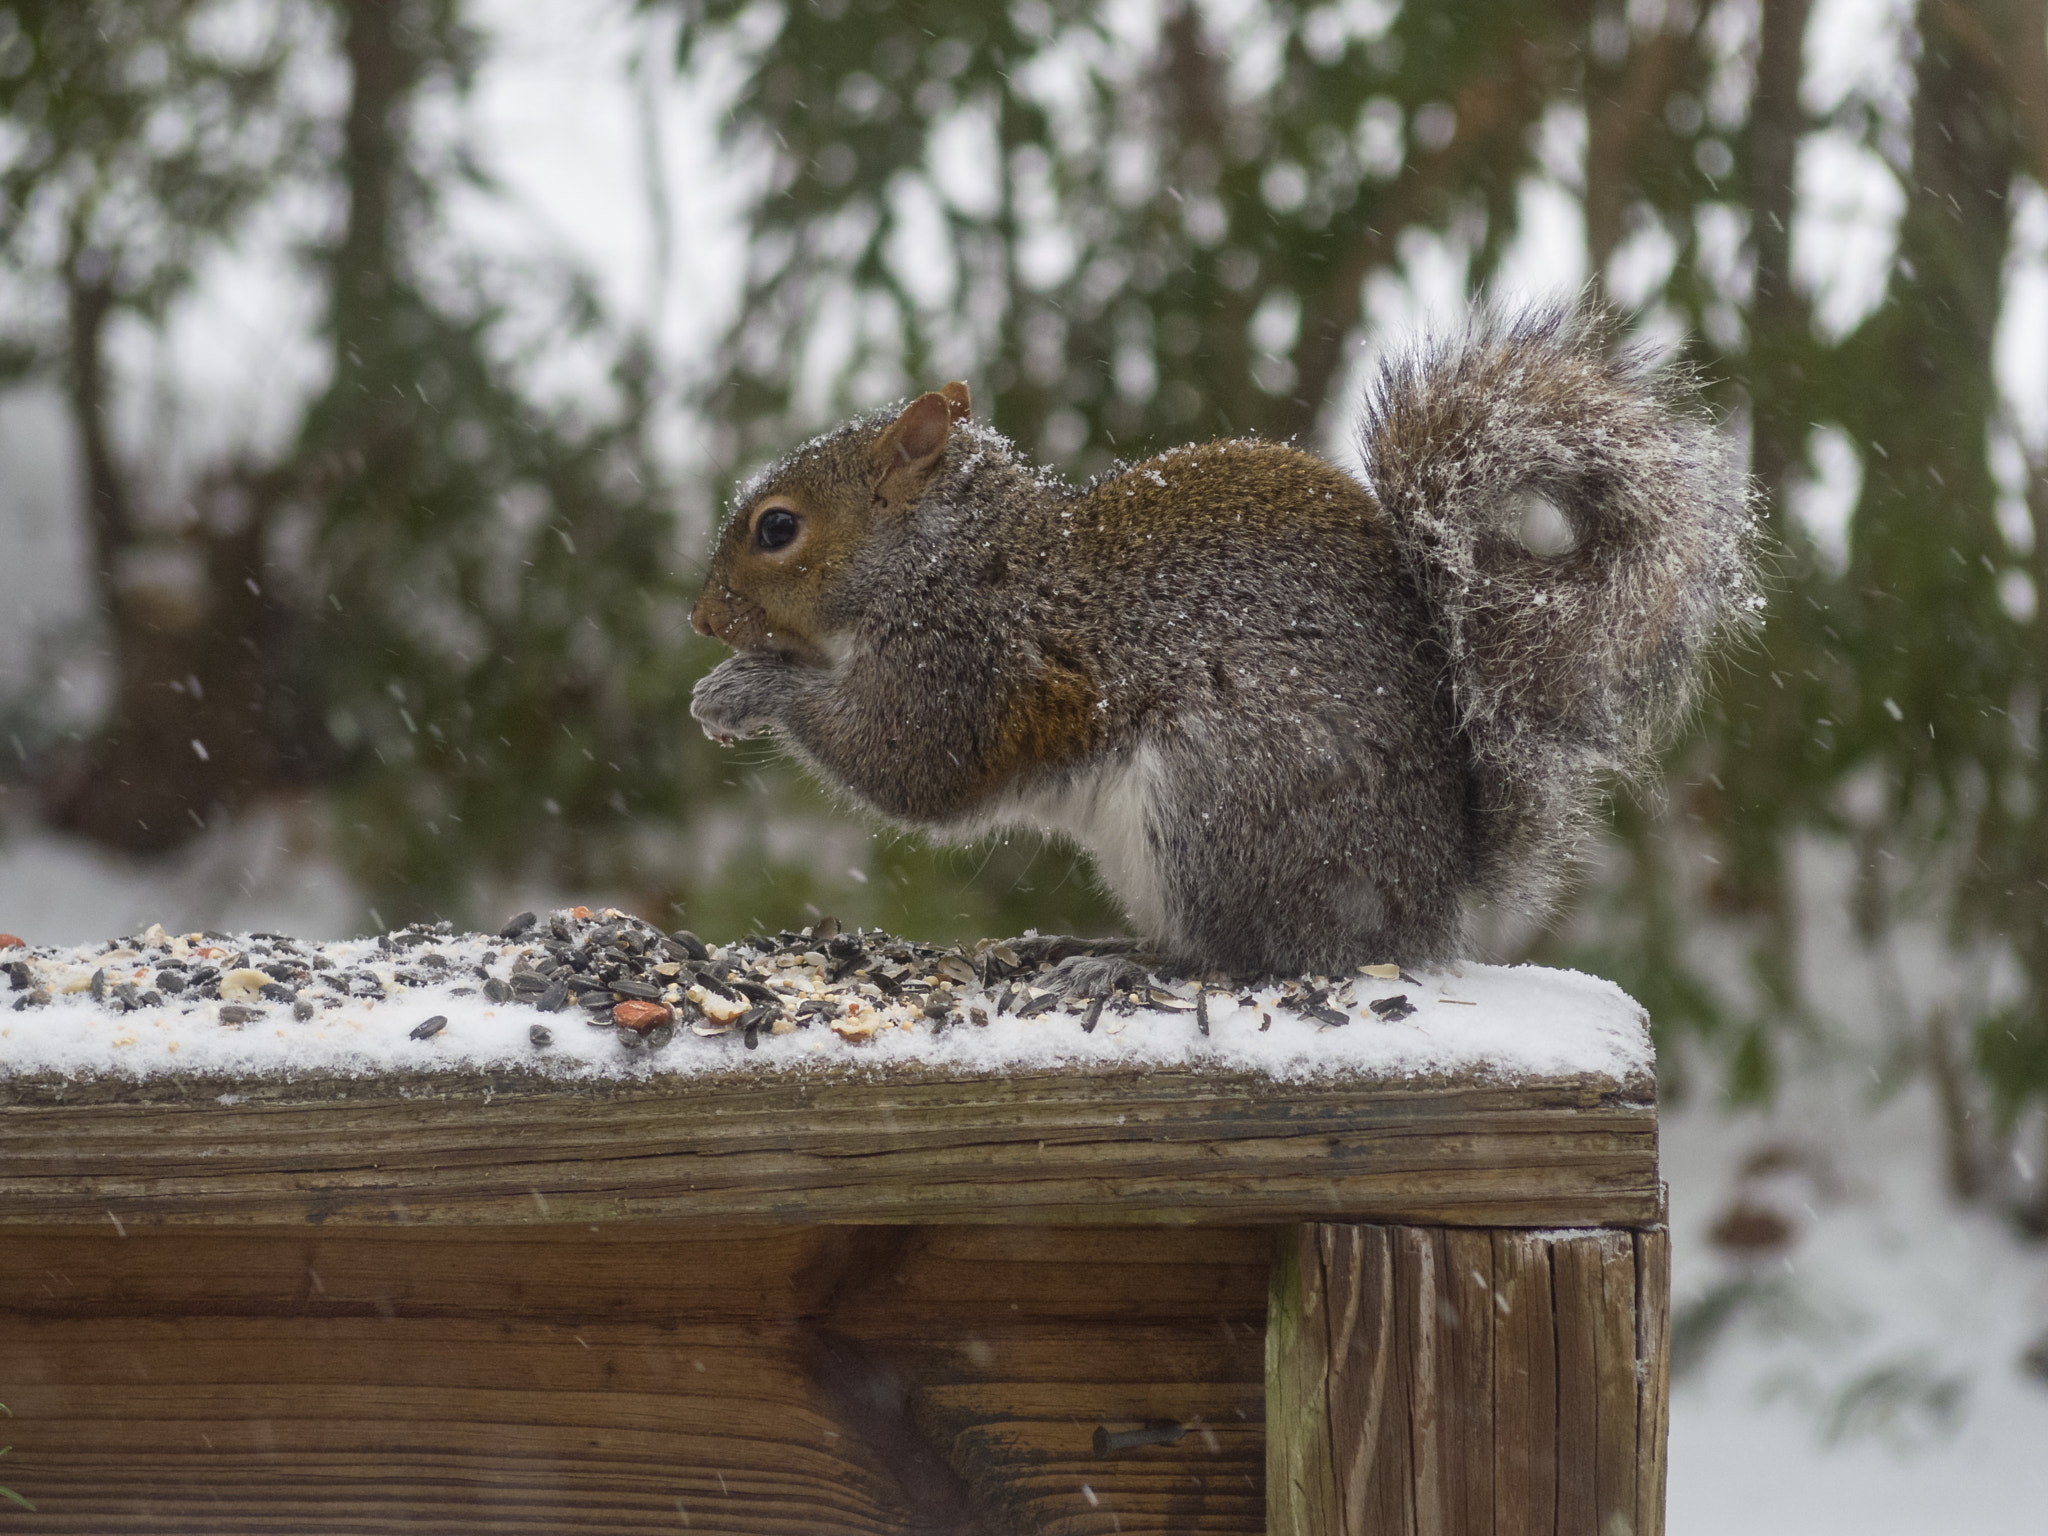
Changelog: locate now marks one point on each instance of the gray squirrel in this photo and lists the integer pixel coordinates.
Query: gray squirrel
(1298, 720)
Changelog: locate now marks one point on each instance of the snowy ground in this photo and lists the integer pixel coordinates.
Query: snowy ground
(1867, 1377)
(1866, 1374)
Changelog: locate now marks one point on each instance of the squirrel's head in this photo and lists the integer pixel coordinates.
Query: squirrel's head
(798, 523)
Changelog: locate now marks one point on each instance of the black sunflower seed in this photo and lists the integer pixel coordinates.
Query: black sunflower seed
(426, 1029)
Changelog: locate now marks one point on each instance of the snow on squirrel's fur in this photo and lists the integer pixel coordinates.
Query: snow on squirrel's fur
(261, 1006)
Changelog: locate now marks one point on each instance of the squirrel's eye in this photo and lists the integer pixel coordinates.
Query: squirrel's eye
(776, 528)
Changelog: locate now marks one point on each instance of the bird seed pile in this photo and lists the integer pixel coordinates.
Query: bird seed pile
(604, 993)
(623, 973)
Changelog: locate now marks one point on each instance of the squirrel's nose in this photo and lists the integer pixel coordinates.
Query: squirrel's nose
(700, 620)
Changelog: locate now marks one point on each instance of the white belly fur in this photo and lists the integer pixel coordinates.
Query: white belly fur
(1106, 809)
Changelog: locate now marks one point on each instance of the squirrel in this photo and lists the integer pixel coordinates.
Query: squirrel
(1300, 720)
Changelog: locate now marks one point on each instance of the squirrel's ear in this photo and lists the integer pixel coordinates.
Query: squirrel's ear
(909, 448)
(957, 403)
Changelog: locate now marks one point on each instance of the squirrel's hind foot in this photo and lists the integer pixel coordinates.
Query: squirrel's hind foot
(1099, 975)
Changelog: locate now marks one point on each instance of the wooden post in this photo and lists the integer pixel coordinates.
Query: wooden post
(1431, 1381)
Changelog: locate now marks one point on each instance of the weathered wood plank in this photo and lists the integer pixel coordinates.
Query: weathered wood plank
(1429, 1381)
(1465, 1317)
(556, 1379)
(1525, 1387)
(634, 1272)
(1112, 1148)
(1653, 1391)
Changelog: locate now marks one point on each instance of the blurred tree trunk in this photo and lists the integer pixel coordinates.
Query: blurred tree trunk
(1622, 100)
(2025, 52)
(187, 734)
(1942, 658)
(381, 78)
(1494, 111)
(1766, 709)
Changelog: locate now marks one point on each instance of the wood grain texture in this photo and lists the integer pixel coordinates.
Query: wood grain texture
(1056, 1147)
(1432, 1382)
(635, 1378)
(1653, 1396)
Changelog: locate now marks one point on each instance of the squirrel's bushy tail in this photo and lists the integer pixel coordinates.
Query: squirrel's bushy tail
(1573, 663)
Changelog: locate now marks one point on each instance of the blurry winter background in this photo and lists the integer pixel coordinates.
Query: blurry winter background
(372, 373)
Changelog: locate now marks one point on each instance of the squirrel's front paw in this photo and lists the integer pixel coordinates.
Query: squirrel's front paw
(741, 697)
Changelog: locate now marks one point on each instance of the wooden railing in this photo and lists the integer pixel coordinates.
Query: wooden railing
(835, 1301)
